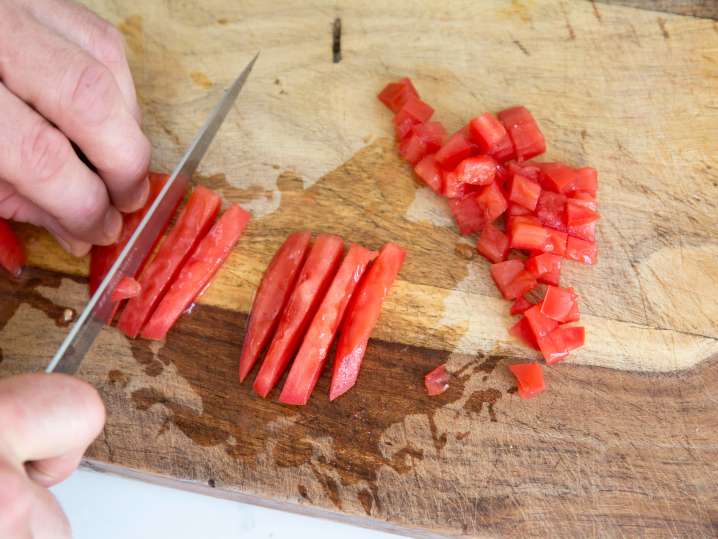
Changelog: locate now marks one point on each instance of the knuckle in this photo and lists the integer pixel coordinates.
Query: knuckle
(90, 92)
(93, 205)
(133, 159)
(44, 152)
(107, 43)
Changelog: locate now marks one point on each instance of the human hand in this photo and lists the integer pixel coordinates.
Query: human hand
(46, 423)
(64, 77)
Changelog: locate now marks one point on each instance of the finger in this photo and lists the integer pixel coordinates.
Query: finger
(40, 164)
(48, 415)
(16, 208)
(95, 35)
(47, 519)
(50, 472)
(80, 96)
(15, 502)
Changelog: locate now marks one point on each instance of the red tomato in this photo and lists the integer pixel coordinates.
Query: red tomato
(585, 232)
(395, 94)
(493, 243)
(272, 295)
(312, 355)
(523, 283)
(479, 170)
(540, 324)
(578, 214)
(314, 279)
(556, 242)
(529, 170)
(432, 133)
(515, 209)
(520, 305)
(546, 267)
(503, 273)
(524, 192)
(127, 288)
(467, 213)
(412, 149)
(192, 225)
(525, 134)
(437, 381)
(12, 252)
(429, 172)
(528, 236)
(529, 378)
(515, 220)
(491, 137)
(586, 180)
(455, 150)
(574, 315)
(558, 177)
(197, 272)
(361, 317)
(415, 109)
(523, 332)
(404, 127)
(558, 303)
(550, 210)
(581, 250)
(562, 340)
(492, 202)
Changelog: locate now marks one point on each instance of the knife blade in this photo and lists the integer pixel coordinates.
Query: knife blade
(96, 313)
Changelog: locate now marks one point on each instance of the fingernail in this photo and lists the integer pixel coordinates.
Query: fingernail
(113, 224)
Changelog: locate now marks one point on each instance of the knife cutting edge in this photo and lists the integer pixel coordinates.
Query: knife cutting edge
(96, 313)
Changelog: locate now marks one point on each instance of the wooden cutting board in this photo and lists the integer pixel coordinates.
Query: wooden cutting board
(625, 440)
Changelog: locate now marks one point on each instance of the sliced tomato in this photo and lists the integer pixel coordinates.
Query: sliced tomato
(493, 243)
(525, 134)
(556, 345)
(512, 279)
(412, 149)
(581, 250)
(415, 109)
(192, 225)
(197, 272)
(546, 267)
(578, 214)
(432, 133)
(520, 305)
(574, 314)
(586, 180)
(437, 381)
(467, 213)
(455, 149)
(529, 378)
(515, 220)
(12, 252)
(361, 317)
(523, 332)
(312, 355)
(314, 278)
(272, 295)
(540, 325)
(491, 137)
(429, 172)
(551, 210)
(527, 169)
(558, 303)
(127, 288)
(556, 242)
(558, 177)
(524, 192)
(516, 209)
(585, 232)
(478, 170)
(404, 127)
(528, 236)
(395, 94)
(492, 202)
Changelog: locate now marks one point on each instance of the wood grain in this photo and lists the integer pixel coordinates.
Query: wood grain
(624, 442)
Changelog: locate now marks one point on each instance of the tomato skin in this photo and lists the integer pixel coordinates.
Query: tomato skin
(581, 250)
(520, 305)
(455, 149)
(525, 134)
(558, 303)
(312, 355)
(491, 137)
(395, 94)
(127, 288)
(492, 202)
(272, 295)
(197, 272)
(467, 213)
(361, 316)
(493, 243)
(429, 172)
(529, 378)
(192, 225)
(314, 279)
(524, 192)
(523, 332)
(437, 381)
(12, 252)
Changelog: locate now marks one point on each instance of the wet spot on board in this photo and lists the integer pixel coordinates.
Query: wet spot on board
(464, 250)
(201, 80)
(222, 21)
(118, 378)
(132, 29)
(478, 399)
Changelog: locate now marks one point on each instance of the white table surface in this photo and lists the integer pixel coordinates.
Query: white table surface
(111, 507)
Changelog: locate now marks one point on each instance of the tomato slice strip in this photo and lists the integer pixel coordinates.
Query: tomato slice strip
(558, 303)
(314, 279)
(192, 225)
(437, 381)
(312, 355)
(272, 295)
(196, 273)
(12, 252)
(529, 378)
(127, 288)
(361, 317)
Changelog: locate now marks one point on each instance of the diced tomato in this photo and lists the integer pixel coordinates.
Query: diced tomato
(395, 94)
(432, 133)
(574, 314)
(524, 192)
(540, 325)
(272, 295)
(467, 213)
(516, 209)
(491, 137)
(12, 252)
(577, 214)
(493, 243)
(558, 177)
(455, 150)
(581, 250)
(515, 220)
(192, 225)
(558, 303)
(437, 381)
(550, 209)
(585, 232)
(404, 127)
(523, 283)
(525, 134)
(556, 345)
(528, 169)
(361, 317)
(586, 180)
(503, 273)
(197, 272)
(520, 305)
(415, 109)
(412, 149)
(523, 332)
(527, 236)
(556, 242)
(492, 202)
(127, 288)
(529, 378)
(546, 267)
(312, 355)
(479, 170)
(314, 279)
(502, 176)
(429, 172)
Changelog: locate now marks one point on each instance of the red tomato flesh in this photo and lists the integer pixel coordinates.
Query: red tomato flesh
(361, 317)
(577, 214)
(467, 213)
(586, 180)
(192, 225)
(540, 325)
(528, 236)
(550, 210)
(412, 149)
(492, 202)
(312, 355)
(525, 134)
(127, 288)
(558, 303)
(429, 172)
(314, 279)
(197, 272)
(512, 279)
(546, 267)
(529, 378)
(437, 381)
(272, 295)
(556, 242)
(395, 94)
(493, 243)
(520, 305)
(415, 109)
(12, 252)
(491, 137)
(455, 150)
(432, 133)
(524, 192)
(479, 170)
(581, 250)
(523, 332)
(515, 209)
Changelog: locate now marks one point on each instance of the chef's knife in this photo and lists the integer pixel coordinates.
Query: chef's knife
(68, 357)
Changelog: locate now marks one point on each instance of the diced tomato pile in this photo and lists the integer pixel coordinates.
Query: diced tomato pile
(529, 215)
(308, 294)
